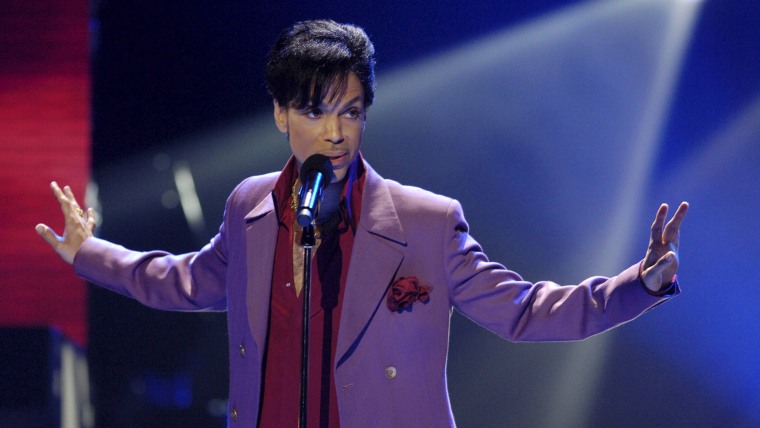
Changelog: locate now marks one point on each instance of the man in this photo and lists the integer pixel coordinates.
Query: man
(390, 264)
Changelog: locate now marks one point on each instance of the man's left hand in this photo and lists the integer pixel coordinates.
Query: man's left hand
(661, 261)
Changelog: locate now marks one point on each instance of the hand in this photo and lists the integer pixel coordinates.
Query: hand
(79, 225)
(661, 261)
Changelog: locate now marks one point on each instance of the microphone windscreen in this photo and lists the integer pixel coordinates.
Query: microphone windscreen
(317, 163)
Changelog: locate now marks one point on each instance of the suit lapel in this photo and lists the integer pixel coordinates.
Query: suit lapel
(377, 254)
(261, 241)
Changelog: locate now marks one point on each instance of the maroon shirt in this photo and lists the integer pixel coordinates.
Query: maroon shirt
(282, 361)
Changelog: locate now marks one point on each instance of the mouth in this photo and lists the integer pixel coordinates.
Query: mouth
(337, 160)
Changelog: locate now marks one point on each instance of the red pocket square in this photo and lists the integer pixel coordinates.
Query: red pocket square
(405, 291)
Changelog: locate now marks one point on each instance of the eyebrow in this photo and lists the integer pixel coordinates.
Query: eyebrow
(354, 100)
(358, 98)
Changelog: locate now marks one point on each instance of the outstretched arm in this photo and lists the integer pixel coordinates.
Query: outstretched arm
(661, 260)
(78, 227)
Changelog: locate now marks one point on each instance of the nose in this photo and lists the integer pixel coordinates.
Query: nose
(333, 130)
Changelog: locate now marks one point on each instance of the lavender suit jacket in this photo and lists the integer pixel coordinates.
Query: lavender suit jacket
(384, 360)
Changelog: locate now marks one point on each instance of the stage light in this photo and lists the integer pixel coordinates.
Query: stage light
(188, 198)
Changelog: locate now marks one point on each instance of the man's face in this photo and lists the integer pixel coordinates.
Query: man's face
(334, 129)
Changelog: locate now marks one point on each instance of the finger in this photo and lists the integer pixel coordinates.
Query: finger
(69, 193)
(91, 220)
(58, 193)
(48, 235)
(64, 197)
(674, 225)
(658, 223)
(668, 262)
(68, 201)
(73, 200)
(656, 274)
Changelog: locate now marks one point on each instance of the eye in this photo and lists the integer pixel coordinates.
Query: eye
(312, 112)
(354, 113)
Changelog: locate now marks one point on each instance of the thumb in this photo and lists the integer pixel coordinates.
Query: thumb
(47, 234)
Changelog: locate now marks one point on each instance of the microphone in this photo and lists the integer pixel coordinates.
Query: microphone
(316, 174)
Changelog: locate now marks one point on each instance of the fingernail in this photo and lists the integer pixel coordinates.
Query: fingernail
(39, 228)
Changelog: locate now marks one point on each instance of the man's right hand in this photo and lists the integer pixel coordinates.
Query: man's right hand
(79, 225)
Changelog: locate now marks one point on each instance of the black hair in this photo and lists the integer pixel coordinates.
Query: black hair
(311, 61)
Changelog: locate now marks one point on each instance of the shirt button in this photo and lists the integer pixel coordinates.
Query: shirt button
(391, 372)
(233, 414)
(242, 350)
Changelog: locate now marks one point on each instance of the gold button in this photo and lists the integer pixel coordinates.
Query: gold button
(233, 414)
(242, 350)
(391, 372)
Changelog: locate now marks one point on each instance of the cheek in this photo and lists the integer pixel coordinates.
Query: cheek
(300, 144)
(357, 131)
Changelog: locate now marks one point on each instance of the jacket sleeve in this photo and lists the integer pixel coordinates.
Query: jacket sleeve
(187, 282)
(193, 281)
(501, 301)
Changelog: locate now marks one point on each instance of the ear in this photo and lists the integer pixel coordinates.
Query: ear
(281, 117)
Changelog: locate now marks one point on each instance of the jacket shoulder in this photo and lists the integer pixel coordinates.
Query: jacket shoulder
(415, 200)
(252, 190)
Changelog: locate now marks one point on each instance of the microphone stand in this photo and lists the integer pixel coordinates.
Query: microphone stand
(316, 170)
(308, 241)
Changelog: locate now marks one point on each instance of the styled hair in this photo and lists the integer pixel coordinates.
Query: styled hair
(311, 61)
